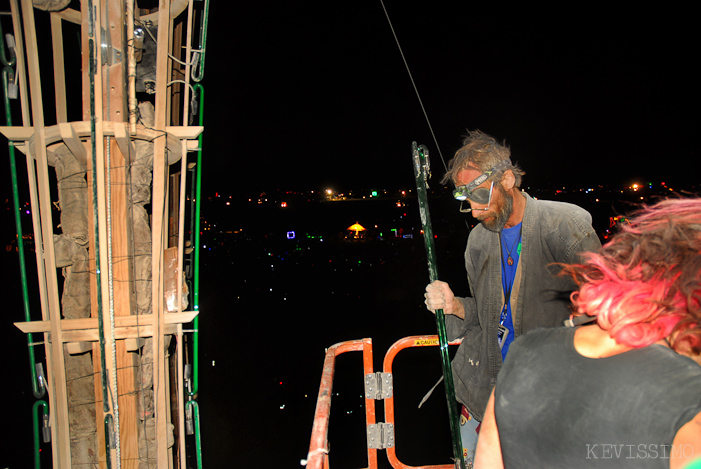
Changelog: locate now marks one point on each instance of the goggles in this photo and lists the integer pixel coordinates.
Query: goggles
(468, 190)
(480, 195)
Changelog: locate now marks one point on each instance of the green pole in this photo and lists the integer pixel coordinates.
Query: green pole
(38, 388)
(199, 89)
(421, 173)
(198, 70)
(35, 425)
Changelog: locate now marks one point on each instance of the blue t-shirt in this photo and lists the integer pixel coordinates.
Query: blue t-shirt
(510, 247)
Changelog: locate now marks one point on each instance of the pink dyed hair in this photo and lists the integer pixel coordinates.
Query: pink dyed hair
(645, 284)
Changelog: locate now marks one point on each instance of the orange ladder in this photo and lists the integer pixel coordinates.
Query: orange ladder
(377, 386)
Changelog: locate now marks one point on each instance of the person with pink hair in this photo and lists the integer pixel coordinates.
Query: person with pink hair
(624, 391)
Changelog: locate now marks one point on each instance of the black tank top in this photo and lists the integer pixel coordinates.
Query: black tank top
(557, 408)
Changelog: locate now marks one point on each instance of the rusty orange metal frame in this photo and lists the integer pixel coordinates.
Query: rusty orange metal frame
(318, 457)
(398, 346)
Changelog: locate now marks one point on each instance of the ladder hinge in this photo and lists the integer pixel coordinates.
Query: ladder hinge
(380, 436)
(378, 386)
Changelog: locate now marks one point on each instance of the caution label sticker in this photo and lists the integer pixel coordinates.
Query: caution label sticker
(425, 342)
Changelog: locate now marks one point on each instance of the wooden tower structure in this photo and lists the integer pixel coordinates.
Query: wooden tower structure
(107, 91)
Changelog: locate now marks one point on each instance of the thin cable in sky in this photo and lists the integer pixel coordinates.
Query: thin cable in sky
(414, 85)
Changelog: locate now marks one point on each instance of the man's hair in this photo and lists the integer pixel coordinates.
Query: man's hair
(481, 152)
(645, 284)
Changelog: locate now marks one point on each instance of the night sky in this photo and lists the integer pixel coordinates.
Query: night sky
(308, 95)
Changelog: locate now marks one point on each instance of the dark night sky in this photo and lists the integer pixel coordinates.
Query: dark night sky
(307, 95)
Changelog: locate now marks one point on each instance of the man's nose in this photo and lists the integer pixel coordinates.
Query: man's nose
(476, 206)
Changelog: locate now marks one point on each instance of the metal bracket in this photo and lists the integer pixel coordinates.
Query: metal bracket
(46, 429)
(422, 168)
(378, 386)
(380, 436)
(110, 55)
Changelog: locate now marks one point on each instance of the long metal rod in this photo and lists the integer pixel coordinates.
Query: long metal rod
(181, 244)
(35, 426)
(421, 172)
(38, 388)
(93, 58)
(199, 90)
(56, 372)
(110, 292)
(198, 70)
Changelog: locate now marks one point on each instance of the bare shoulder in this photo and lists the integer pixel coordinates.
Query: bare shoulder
(686, 447)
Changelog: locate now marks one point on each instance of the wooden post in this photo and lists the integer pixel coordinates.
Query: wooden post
(54, 352)
(159, 233)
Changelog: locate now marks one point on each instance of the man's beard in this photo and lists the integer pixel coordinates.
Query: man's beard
(504, 210)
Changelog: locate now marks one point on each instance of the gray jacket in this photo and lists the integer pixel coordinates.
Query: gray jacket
(552, 232)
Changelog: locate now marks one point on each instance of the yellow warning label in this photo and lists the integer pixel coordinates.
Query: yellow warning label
(424, 342)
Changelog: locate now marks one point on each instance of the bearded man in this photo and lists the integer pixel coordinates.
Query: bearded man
(512, 268)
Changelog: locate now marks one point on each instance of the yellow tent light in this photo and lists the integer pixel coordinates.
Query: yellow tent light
(356, 227)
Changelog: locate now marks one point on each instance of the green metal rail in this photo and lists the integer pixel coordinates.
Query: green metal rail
(197, 73)
(422, 173)
(38, 384)
(46, 436)
(192, 393)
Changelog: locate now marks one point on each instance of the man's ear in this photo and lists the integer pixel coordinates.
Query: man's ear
(508, 180)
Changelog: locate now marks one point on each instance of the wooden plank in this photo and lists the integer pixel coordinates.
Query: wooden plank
(121, 260)
(17, 133)
(99, 408)
(59, 68)
(91, 335)
(74, 144)
(126, 145)
(97, 354)
(91, 35)
(21, 68)
(181, 238)
(120, 321)
(82, 130)
(159, 232)
(128, 419)
(176, 7)
(57, 376)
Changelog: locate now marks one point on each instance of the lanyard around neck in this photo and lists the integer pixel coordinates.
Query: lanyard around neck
(507, 286)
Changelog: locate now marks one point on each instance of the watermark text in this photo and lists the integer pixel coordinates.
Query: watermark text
(641, 451)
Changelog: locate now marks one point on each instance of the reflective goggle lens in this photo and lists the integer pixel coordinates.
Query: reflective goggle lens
(480, 195)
